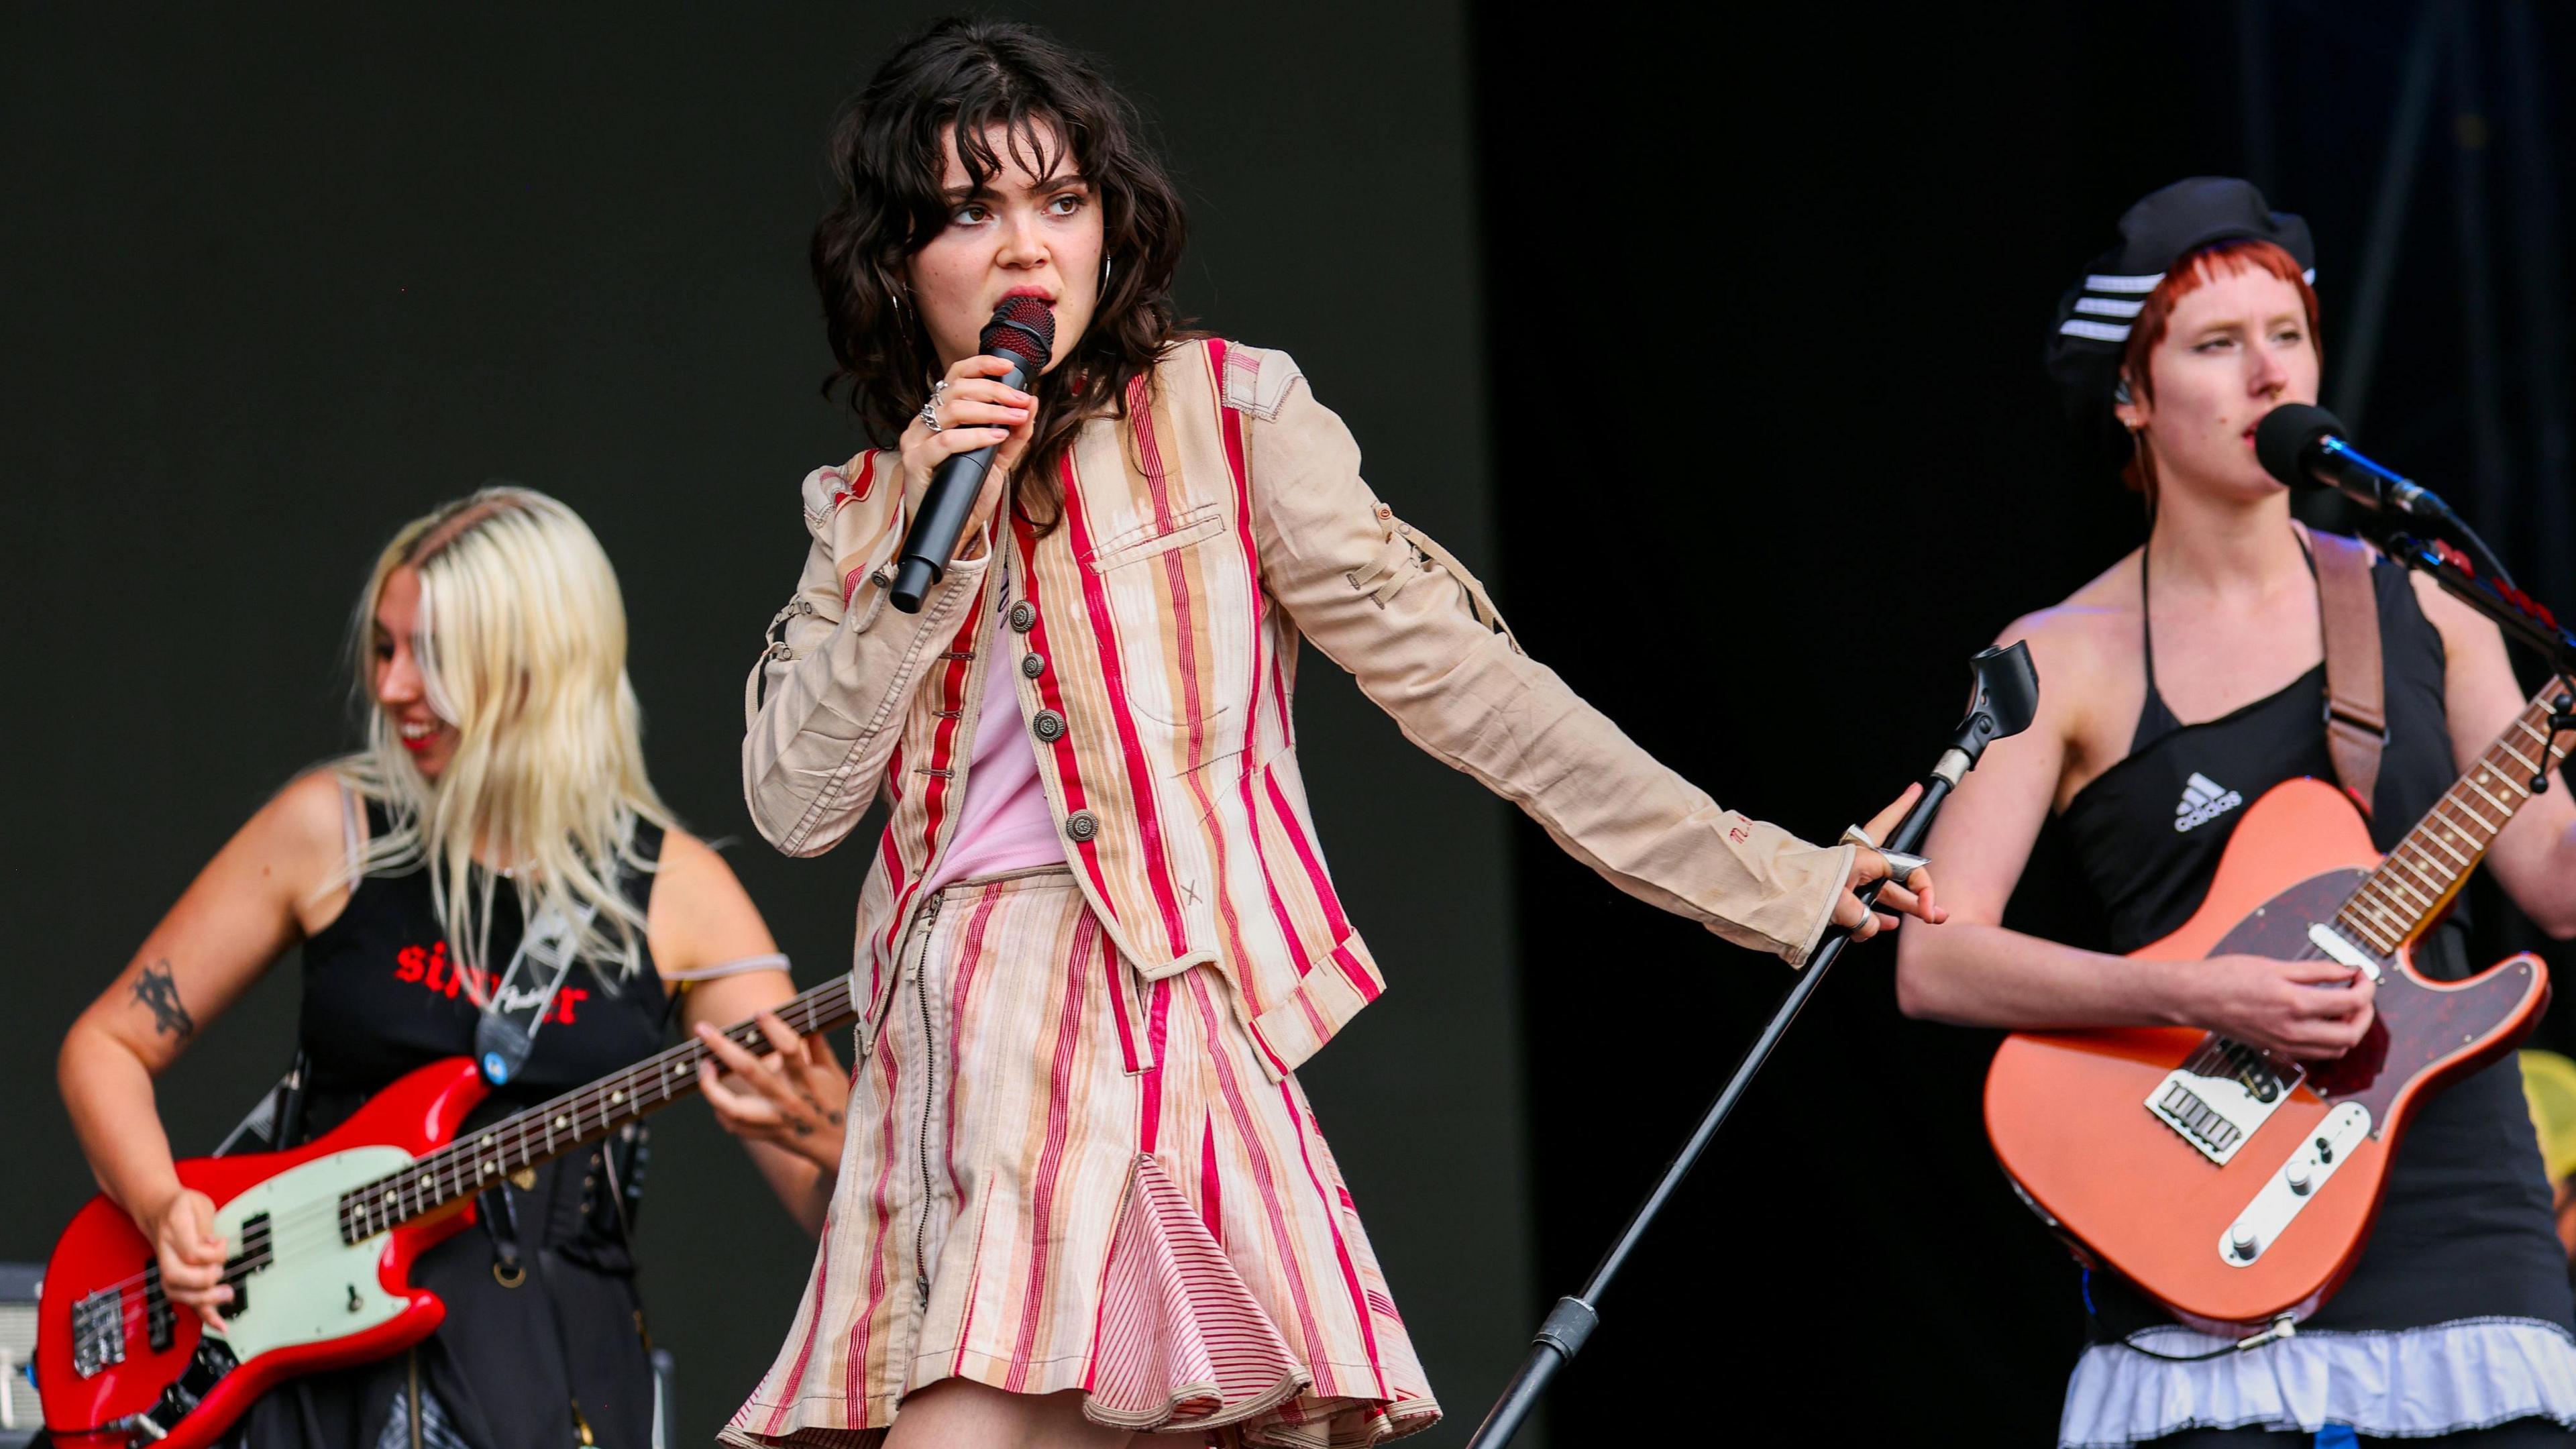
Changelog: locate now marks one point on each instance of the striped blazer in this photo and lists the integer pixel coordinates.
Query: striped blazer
(1202, 535)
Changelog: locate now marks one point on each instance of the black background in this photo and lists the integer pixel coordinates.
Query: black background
(1714, 344)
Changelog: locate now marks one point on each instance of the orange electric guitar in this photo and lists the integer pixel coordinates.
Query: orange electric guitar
(2233, 1186)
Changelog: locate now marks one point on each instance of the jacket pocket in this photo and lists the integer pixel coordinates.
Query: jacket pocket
(1196, 525)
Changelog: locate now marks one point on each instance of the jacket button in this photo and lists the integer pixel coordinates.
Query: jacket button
(1024, 616)
(1082, 825)
(1049, 727)
(1033, 666)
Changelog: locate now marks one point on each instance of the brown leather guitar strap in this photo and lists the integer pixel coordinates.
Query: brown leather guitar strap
(2356, 702)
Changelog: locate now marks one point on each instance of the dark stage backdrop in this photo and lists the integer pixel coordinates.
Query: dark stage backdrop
(1776, 457)
(274, 287)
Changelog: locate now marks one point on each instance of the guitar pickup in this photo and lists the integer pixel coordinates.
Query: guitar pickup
(160, 1322)
(2341, 950)
(2215, 1114)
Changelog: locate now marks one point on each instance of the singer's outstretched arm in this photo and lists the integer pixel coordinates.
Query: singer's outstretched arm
(1418, 634)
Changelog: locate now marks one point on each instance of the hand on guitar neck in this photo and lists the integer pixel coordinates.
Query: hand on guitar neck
(2305, 1010)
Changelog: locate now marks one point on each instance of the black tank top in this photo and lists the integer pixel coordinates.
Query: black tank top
(383, 995)
(2465, 1229)
(381, 998)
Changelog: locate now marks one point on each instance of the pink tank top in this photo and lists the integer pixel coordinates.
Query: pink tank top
(1004, 824)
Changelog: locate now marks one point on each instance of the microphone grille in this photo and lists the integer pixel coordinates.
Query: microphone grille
(2285, 434)
(1023, 327)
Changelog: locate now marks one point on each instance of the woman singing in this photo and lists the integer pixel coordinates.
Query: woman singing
(502, 784)
(1083, 1195)
(2182, 684)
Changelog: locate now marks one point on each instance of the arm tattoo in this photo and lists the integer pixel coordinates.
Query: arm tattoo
(160, 996)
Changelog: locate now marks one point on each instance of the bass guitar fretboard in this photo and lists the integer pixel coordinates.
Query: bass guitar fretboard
(585, 1115)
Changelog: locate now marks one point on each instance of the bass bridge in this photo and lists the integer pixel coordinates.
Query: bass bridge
(2220, 1094)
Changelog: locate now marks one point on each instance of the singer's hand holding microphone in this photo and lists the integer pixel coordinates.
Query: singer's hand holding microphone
(976, 410)
(954, 474)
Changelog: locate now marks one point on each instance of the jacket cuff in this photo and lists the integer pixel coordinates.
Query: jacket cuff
(1806, 945)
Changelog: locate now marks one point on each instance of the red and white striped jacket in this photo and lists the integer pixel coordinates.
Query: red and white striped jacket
(1202, 536)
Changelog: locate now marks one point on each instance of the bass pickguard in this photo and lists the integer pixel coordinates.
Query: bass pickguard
(313, 1285)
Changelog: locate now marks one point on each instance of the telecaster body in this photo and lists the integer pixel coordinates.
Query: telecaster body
(2161, 1158)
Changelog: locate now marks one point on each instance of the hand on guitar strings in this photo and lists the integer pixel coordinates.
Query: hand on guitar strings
(2279, 1006)
(181, 1228)
(794, 1097)
(1912, 895)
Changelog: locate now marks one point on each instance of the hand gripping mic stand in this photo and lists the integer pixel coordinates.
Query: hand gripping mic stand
(2005, 699)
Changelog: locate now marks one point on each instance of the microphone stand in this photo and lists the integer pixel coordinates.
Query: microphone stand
(2004, 700)
(2494, 595)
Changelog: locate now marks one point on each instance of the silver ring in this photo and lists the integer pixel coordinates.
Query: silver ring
(1854, 835)
(930, 406)
(1900, 866)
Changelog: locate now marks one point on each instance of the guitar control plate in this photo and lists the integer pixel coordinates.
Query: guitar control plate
(2287, 1192)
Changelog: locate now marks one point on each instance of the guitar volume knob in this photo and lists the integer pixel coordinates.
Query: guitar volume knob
(2299, 1177)
(2241, 1241)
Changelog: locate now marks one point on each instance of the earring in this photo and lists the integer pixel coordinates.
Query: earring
(2120, 392)
(1106, 262)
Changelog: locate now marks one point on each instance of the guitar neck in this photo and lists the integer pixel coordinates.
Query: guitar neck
(2402, 898)
(585, 1115)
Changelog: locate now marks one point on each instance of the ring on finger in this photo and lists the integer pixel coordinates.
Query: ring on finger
(1854, 835)
(930, 406)
(1900, 866)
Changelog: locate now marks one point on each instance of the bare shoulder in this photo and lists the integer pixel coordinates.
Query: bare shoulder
(699, 914)
(305, 822)
(2459, 624)
(690, 864)
(2084, 639)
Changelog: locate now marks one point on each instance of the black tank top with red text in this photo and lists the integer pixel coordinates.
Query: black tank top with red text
(2465, 1229)
(383, 997)
(384, 994)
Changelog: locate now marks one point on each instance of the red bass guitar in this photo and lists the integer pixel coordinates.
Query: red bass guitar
(323, 1240)
(2235, 1187)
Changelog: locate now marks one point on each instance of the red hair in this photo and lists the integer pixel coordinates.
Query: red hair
(2219, 259)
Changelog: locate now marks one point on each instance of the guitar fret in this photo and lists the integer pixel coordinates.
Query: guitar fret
(2457, 859)
(2386, 926)
(2510, 753)
(458, 1169)
(2397, 858)
(2393, 883)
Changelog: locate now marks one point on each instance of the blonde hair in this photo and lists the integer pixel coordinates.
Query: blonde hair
(521, 642)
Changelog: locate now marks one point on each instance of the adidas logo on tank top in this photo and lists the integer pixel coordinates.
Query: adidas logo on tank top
(2203, 800)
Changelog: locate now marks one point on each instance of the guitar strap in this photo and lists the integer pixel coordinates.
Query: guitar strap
(508, 1028)
(2356, 700)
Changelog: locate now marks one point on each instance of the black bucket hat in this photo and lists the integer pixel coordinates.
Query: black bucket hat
(2093, 318)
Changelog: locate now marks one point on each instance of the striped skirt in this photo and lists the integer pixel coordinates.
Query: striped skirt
(1059, 1176)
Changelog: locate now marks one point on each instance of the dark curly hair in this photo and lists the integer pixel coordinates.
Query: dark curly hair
(888, 156)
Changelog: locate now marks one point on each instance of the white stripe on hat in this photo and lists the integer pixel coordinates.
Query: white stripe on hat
(2310, 276)
(2105, 307)
(2098, 331)
(2132, 285)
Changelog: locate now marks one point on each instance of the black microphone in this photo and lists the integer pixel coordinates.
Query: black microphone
(2304, 447)
(1021, 333)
